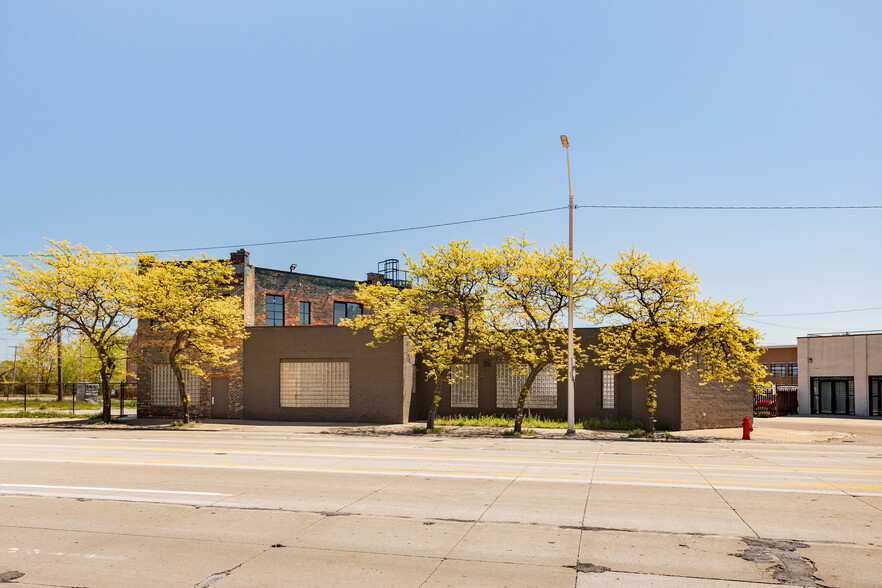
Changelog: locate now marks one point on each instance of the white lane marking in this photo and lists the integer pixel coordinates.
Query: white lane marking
(796, 488)
(538, 460)
(43, 487)
(25, 551)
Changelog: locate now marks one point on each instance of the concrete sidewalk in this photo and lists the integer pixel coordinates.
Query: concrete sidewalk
(789, 429)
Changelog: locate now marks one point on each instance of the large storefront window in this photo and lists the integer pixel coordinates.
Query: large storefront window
(833, 395)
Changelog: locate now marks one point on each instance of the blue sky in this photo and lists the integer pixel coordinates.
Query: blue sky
(165, 125)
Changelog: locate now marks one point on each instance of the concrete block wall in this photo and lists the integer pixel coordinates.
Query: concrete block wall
(381, 381)
(713, 405)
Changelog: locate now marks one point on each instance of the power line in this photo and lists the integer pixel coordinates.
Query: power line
(490, 218)
(344, 236)
(819, 313)
(747, 318)
(642, 207)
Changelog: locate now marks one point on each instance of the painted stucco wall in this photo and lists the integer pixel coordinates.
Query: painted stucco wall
(857, 356)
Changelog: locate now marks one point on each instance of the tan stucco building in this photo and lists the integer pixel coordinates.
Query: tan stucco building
(840, 373)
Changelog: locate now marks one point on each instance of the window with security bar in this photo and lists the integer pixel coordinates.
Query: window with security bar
(543, 392)
(314, 384)
(464, 390)
(609, 389)
(164, 387)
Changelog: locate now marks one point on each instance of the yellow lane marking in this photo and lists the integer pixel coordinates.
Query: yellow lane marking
(588, 478)
(677, 464)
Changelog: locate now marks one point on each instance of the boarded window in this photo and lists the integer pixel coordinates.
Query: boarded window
(164, 388)
(314, 384)
(609, 389)
(543, 393)
(464, 390)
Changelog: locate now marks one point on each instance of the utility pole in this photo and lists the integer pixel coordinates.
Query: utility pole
(58, 364)
(14, 360)
(571, 411)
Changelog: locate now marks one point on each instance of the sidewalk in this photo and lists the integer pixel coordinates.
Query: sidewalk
(791, 429)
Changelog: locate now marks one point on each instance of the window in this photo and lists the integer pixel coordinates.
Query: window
(543, 392)
(344, 310)
(793, 369)
(778, 369)
(464, 390)
(832, 395)
(275, 310)
(164, 387)
(304, 313)
(875, 395)
(609, 389)
(314, 384)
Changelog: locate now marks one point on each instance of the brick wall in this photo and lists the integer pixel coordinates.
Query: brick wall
(153, 349)
(381, 378)
(321, 293)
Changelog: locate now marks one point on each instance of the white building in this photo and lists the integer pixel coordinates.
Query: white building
(840, 373)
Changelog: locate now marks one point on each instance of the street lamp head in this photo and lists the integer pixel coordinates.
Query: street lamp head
(564, 141)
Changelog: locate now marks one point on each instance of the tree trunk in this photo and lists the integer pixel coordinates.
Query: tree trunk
(522, 398)
(182, 390)
(58, 368)
(105, 395)
(433, 410)
(651, 404)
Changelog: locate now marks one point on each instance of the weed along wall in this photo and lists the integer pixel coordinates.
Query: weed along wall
(325, 373)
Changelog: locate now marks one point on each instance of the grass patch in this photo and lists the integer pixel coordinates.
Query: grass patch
(536, 422)
(182, 424)
(46, 404)
(512, 433)
(609, 425)
(425, 431)
(660, 435)
(39, 414)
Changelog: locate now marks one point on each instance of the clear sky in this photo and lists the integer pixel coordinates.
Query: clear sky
(165, 125)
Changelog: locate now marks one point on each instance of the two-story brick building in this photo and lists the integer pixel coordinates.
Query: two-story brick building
(297, 366)
(270, 298)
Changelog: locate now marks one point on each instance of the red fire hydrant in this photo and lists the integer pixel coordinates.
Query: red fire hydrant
(745, 426)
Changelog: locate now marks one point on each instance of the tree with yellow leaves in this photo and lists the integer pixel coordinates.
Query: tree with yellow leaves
(69, 287)
(659, 323)
(440, 313)
(193, 317)
(526, 307)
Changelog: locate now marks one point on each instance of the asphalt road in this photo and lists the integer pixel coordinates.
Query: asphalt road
(267, 506)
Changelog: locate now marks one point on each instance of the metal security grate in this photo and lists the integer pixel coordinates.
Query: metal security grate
(543, 393)
(464, 390)
(609, 389)
(314, 384)
(164, 388)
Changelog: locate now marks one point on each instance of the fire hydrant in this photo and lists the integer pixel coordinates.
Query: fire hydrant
(745, 426)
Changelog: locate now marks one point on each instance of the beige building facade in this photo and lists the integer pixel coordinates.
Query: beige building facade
(840, 373)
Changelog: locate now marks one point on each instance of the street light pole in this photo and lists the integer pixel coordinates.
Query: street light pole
(571, 412)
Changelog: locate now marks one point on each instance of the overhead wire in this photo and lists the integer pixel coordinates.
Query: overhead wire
(490, 218)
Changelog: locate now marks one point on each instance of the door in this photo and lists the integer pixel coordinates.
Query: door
(220, 398)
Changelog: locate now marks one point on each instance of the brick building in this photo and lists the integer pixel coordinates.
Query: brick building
(781, 364)
(297, 366)
(272, 298)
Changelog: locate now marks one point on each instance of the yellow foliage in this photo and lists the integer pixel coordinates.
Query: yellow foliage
(526, 307)
(658, 323)
(70, 288)
(195, 319)
(440, 313)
